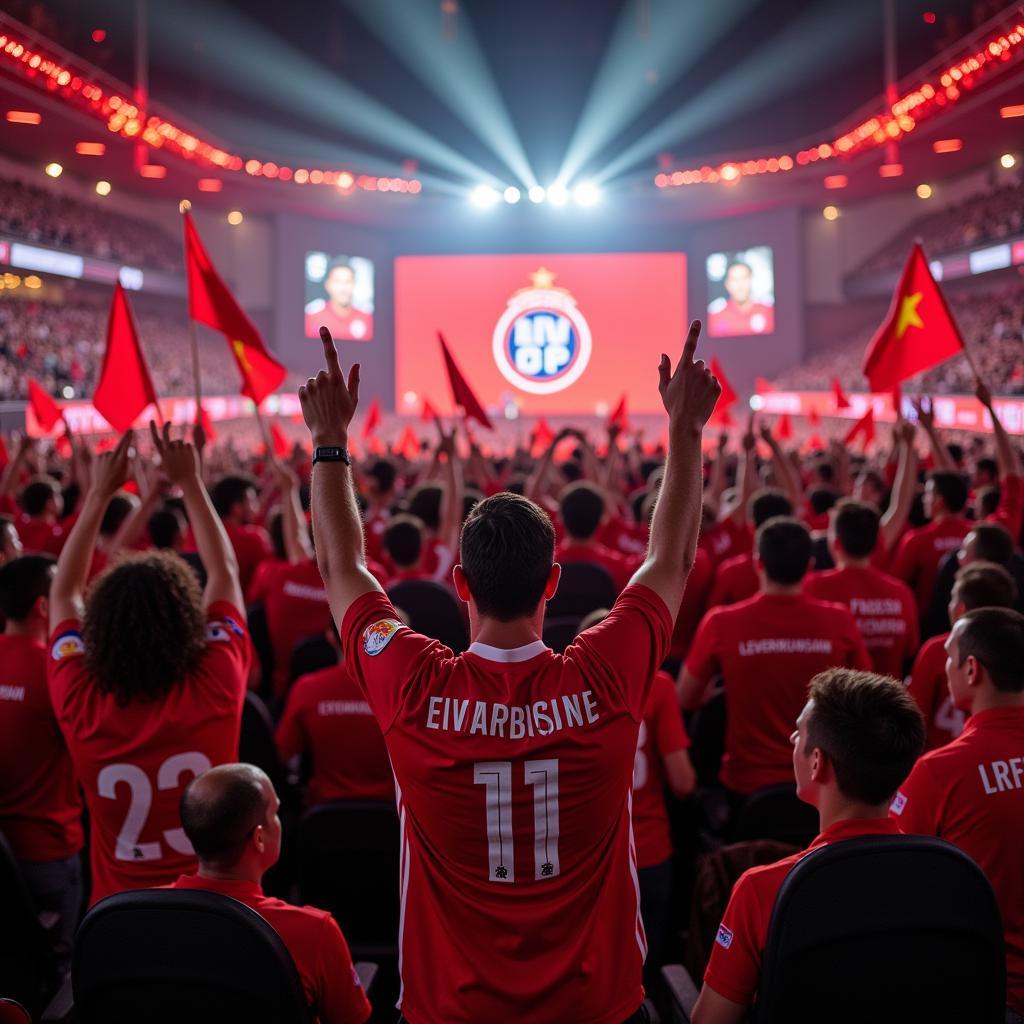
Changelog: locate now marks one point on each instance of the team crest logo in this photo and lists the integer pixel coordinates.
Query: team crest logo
(899, 801)
(378, 636)
(67, 645)
(724, 937)
(542, 342)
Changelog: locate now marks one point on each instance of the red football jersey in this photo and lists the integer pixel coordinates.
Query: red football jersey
(40, 806)
(264, 573)
(315, 942)
(353, 325)
(920, 551)
(1010, 510)
(296, 607)
(40, 537)
(767, 649)
(619, 566)
(514, 772)
(623, 535)
(133, 761)
(883, 607)
(695, 602)
(734, 970)
(971, 793)
(661, 733)
(736, 580)
(726, 539)
(731, 320)
(328, 718)
(252, 546)
(929, 688)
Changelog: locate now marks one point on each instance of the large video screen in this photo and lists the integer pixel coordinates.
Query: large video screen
(741, 292)
(339, 295)
(543, 333)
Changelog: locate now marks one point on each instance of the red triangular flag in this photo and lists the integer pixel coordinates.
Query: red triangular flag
(428, 413)
(842, 402)
(815, 442)
(865, 427)
(46, 410)
(63, 446)
(408, 444)
(462, 393)
(813, 418)
(762, 386)
(211, 303)
(728, 396)
(206, 423)
(125, 388)
(372, 421)
(784, 427)
(619, 417)
(543, 435)
(919, 331)
(282, 446)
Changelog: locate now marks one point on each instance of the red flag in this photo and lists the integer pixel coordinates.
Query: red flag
(282, 446)
(762, 386)
(897, 400)
(918, 332)
(619, 417)
(206, 423)
(428, 413)
(46, 410)
(784, 428)
(462, 393)
(814, 442)
(543, 435)
(372, 421)
(865, 427)
(842, 402)
(813, 418)
(723, 418)
(211, 303)
(408, 444)
(728, 396)
(125, 388)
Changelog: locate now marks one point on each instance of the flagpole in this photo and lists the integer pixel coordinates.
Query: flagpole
(265, 432)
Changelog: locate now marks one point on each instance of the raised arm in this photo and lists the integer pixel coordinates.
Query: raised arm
(328, 405)
(903, 487)
(9, 477)
(716, 484)
(926, 417)
(296, 537)
(689, 395)
(786, 475)
(452, 498)
(67, 592)
(180, 462)
(1007, 457)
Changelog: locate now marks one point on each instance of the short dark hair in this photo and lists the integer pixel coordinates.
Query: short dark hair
(821, 499)
(870, 728)
(165, 528)
(956, 452)
(23, 581)
(785, 548)
(739, 263)
(581, 506)
(403, 540)
(995, 637)
(986, 464)
(118, 509)
(36, 494)
(425, 504)
(856, 524)
(951, 487)
(988, 498)
(229, 490)
(507, 550)
(767, 503)
(384, 474)
(992, 543)
(985, 585)
(218, 820)
(339, 263)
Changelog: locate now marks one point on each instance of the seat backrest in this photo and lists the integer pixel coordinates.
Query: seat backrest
(12, 1012)
(583, 588)
(311, 655)
(256, 739)
(170, 955)
(884, 928)
(559, 633)
(707, 739)
(432, 611)
(775, 812)
(259, 637)
(348, 864)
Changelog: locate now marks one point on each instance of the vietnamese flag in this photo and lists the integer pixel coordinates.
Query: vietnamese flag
(372, 421)
(46, 410)
(211, 303)
(619, 417)
(125, 388)
(462, 393)
(207, 424)
(918, 333)
(842, 402)
(865, 427)
(279, 439)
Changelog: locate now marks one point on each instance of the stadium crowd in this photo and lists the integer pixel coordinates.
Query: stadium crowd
(582, 607)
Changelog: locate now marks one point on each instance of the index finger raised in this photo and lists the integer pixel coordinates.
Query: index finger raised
(690, 345)
(330, 353)
(157, 443)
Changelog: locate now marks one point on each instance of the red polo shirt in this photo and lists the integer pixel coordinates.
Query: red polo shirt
(919, 553)
(767, 649)
(694, 604)
(971, 793)
(735, 580)
(39, 536)
(734, 970)
(252, 546)
(315, 942)
(943, 722)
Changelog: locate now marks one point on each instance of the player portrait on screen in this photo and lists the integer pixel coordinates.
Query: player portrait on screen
(339, 296)
(741, 292)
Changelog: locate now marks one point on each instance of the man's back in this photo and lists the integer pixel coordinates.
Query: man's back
(917, 558)
(735, 580)
(296, 608)
(942, 721)
(514, 769)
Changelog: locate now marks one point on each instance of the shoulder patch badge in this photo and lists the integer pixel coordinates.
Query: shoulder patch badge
(377, 636)
(724, 937)
(67, 645)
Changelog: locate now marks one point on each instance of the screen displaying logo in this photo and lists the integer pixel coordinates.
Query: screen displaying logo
(542, 342)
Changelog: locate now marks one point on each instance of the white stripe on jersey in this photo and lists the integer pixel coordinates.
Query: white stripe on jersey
(403, 872)
(641, 935)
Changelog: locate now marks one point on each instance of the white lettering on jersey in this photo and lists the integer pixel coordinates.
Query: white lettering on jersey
(876, 606)
(1005, 775)
(326, 708)
(785, 645)
(12, 692)
(541, 718)
(304, 591)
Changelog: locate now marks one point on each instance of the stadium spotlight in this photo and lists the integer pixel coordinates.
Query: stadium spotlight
(1008, 160)
(558, 195)
(235, 218)
(537, 194)
(103, 188)
(68, 391)
(586, 193)
(830, 212)
(484, 197)
(924, 191)
(512, 194)
(55, 170)
(756, 403)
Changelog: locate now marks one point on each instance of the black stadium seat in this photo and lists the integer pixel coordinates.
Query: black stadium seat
(165, 956)
(311, 655)
(583, 588)
(432, 611)
(259, 635)
(256, 740)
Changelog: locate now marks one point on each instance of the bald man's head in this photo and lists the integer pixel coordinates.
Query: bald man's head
(221, 809)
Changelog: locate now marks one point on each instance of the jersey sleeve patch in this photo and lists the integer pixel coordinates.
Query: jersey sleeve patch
(217, 632)
(724, 937)
(67, 645)
(378, 635)
(899, 801)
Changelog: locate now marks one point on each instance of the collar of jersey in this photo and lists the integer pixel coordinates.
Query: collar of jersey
(510, 655)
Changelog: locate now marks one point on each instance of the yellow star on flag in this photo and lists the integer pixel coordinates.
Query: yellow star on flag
(240, 355)
(909, 317)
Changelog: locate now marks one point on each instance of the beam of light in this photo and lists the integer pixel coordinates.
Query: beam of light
(484, 197)
(637, 69)
(796, 54)
(586, 193)
(455, 71)
(256, 63)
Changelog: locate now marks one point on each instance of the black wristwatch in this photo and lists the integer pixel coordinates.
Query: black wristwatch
(331, 453)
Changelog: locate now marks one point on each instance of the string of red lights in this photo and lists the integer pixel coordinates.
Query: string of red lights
(123, 118)
(927, 100)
